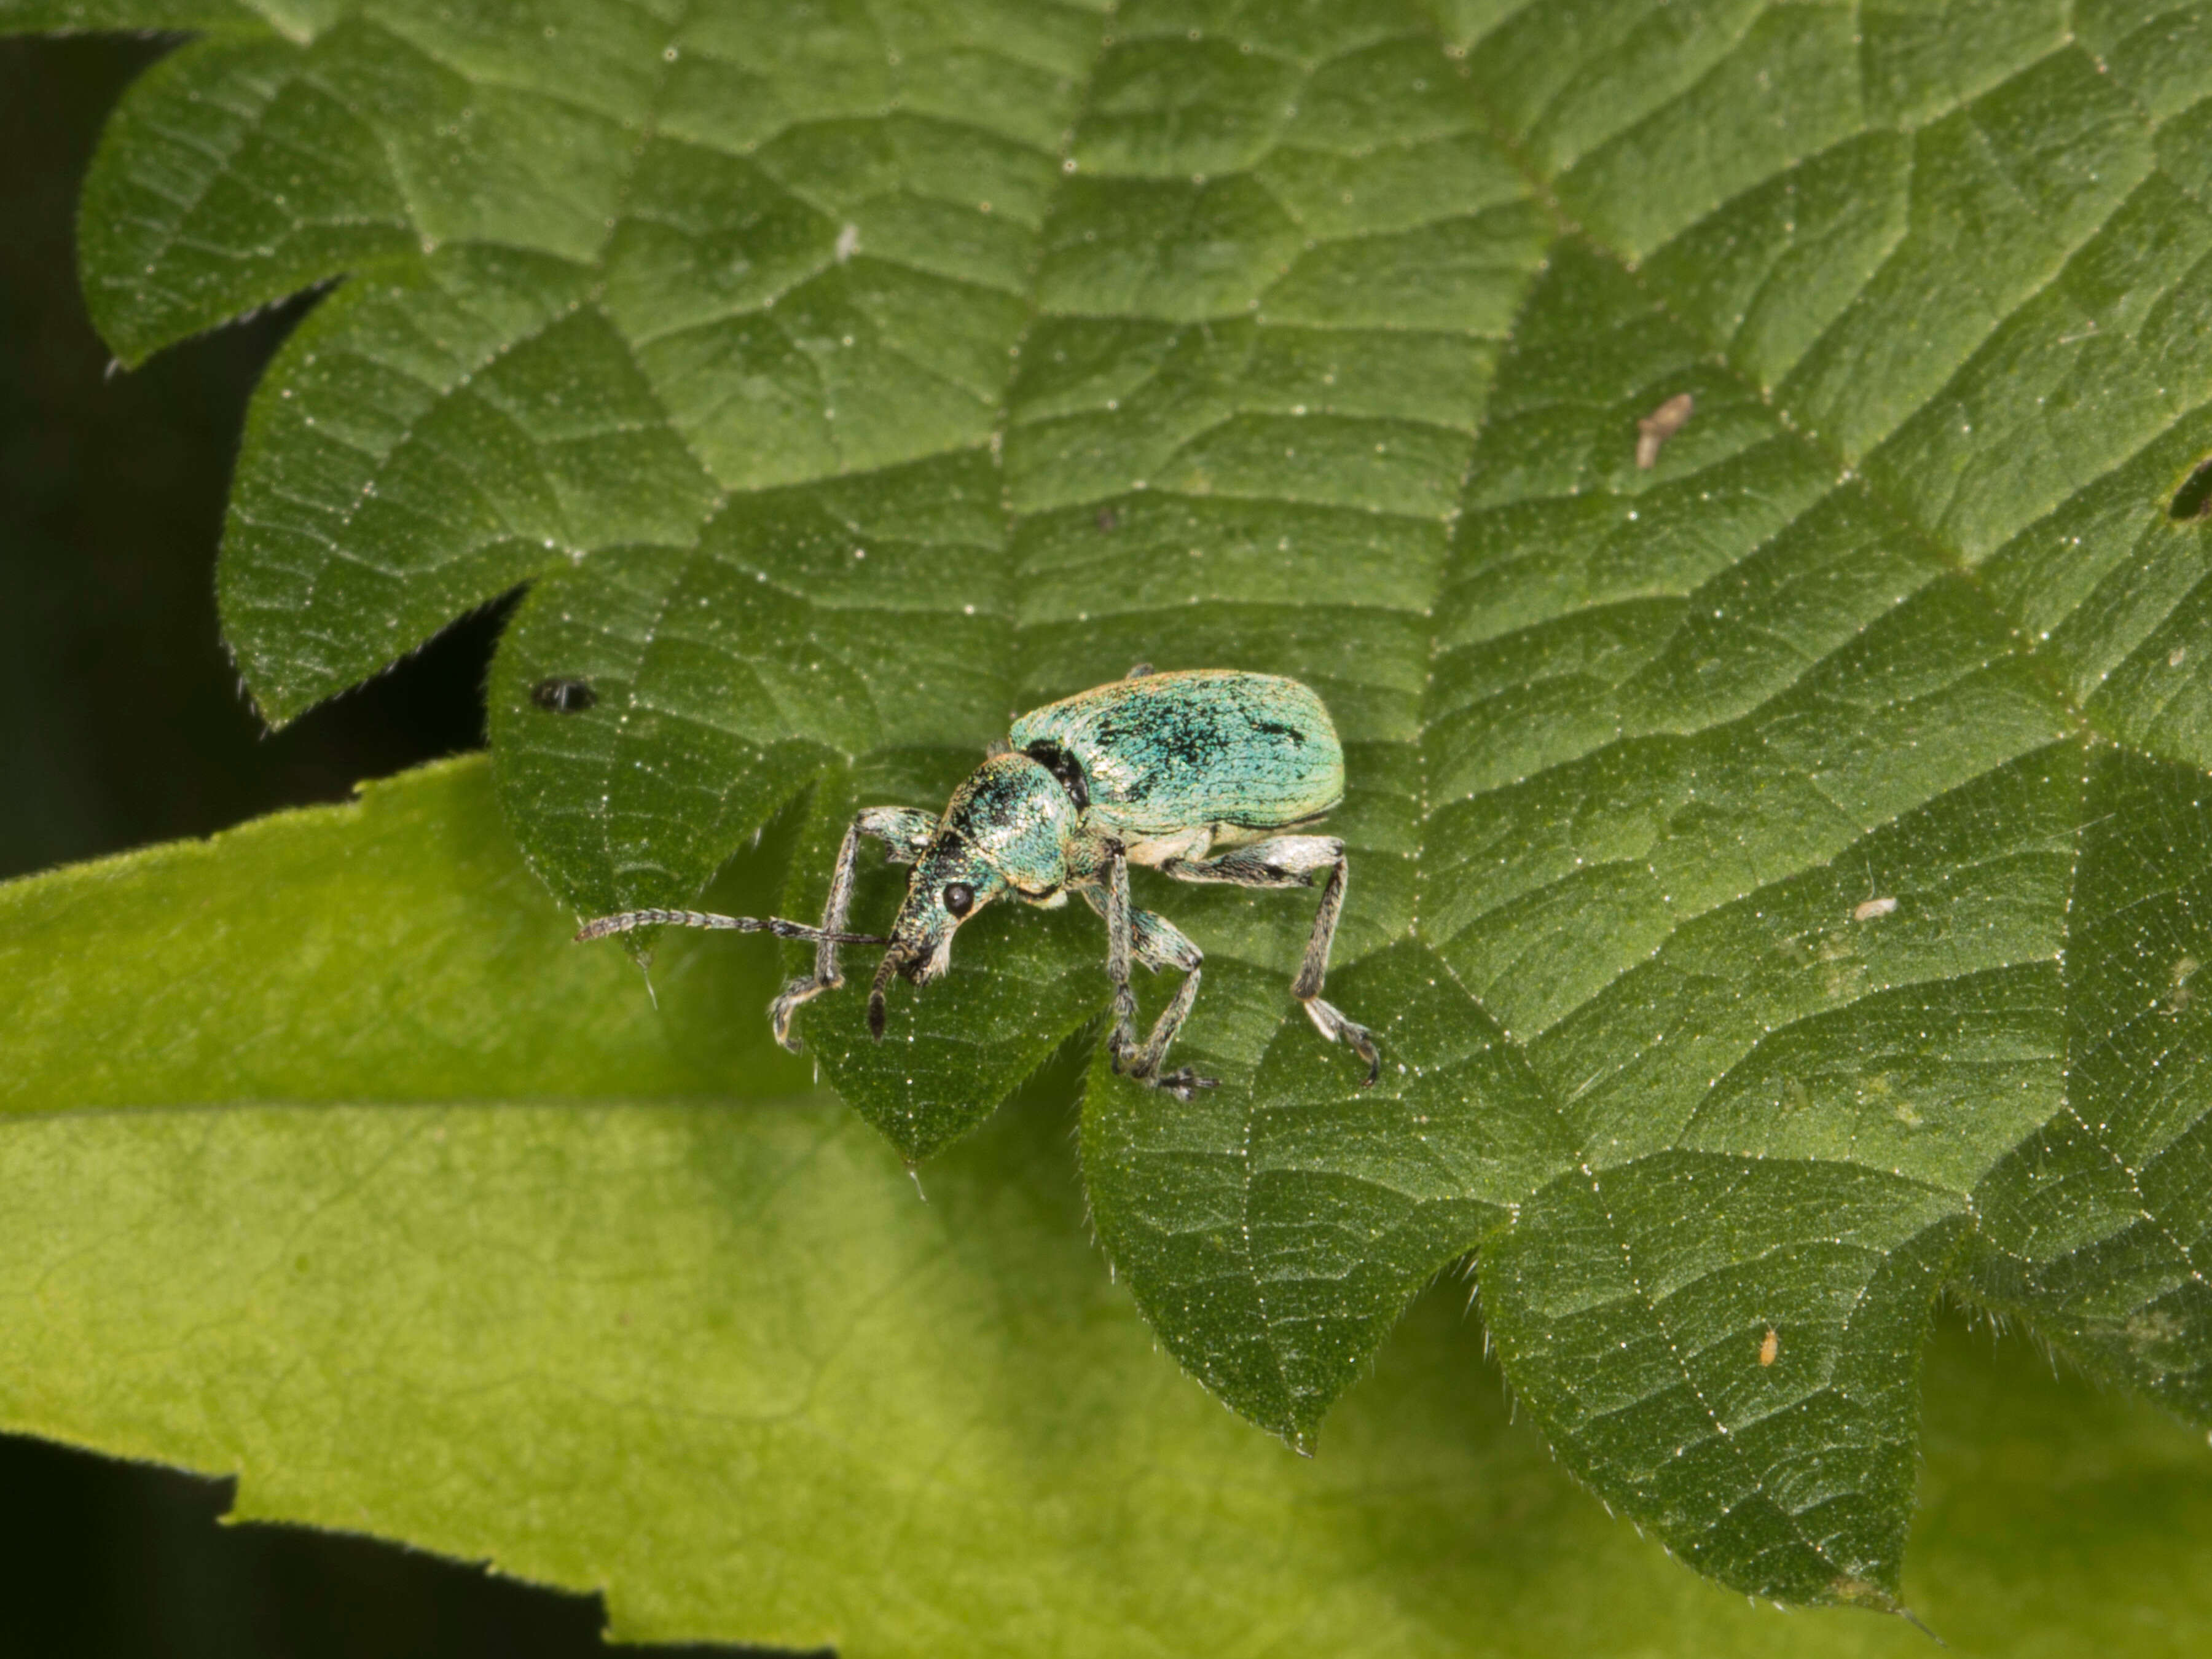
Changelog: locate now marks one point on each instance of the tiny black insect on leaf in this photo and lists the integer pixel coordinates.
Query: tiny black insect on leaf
(559, 694)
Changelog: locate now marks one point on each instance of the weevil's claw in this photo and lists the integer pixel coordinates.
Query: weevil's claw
(786, 1007)
(1363, 1044)
(1330, 1022)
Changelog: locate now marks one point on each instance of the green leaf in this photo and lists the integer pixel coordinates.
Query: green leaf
(412, 958)
(713, 1355)
(1772, 866)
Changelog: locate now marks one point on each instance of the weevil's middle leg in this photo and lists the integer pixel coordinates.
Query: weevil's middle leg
(1291, 861)
(905, 833)
(1156, 943)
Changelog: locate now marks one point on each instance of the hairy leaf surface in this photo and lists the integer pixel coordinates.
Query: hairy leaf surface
(656, 1333)
(1775, 835)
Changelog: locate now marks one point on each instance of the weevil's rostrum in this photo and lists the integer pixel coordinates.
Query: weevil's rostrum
(1191, 774)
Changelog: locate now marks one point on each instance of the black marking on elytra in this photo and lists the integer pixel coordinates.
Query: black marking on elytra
(563, 694)
(1063, 766)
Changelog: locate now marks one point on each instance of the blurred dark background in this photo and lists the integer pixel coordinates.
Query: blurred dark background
(120, 717)
(121, 723)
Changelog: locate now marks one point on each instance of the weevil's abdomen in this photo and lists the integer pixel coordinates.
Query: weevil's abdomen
(1206, 746)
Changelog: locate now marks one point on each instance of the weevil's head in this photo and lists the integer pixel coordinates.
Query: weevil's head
(1005, 830)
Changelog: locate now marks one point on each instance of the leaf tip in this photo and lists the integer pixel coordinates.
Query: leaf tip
(1849, 1590)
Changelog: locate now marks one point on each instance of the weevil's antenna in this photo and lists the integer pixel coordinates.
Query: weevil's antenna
(630, 919)
(884, 969)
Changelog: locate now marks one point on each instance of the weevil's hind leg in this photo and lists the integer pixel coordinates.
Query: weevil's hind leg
(1157, 943)
(1327, 1018)
(904, 833)
(1291, 861)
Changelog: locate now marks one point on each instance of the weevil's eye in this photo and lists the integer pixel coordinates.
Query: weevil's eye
(959, 897)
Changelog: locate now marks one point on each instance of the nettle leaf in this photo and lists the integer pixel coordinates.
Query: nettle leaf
(1774, 830)
(671, 1331)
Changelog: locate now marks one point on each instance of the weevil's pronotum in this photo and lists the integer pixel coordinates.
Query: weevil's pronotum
(1194, 773)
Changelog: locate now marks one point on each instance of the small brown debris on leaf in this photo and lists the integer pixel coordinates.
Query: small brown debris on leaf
(1660, 424)
(1771, 1349)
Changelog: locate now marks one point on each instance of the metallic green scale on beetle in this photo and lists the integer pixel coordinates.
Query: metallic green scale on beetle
(1159, 754)
(1186, 773)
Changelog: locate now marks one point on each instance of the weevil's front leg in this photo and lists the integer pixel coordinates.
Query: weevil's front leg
(1157, 943)
(1291, 861)
(904, 833)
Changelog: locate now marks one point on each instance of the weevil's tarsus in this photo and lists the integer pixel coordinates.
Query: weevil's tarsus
(1330, 1021)
(1184, 1083)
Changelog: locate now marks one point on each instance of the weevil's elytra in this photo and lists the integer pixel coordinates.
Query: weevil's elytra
(1191, 773)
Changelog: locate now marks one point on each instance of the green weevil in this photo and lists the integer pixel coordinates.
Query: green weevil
(1194, 773)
